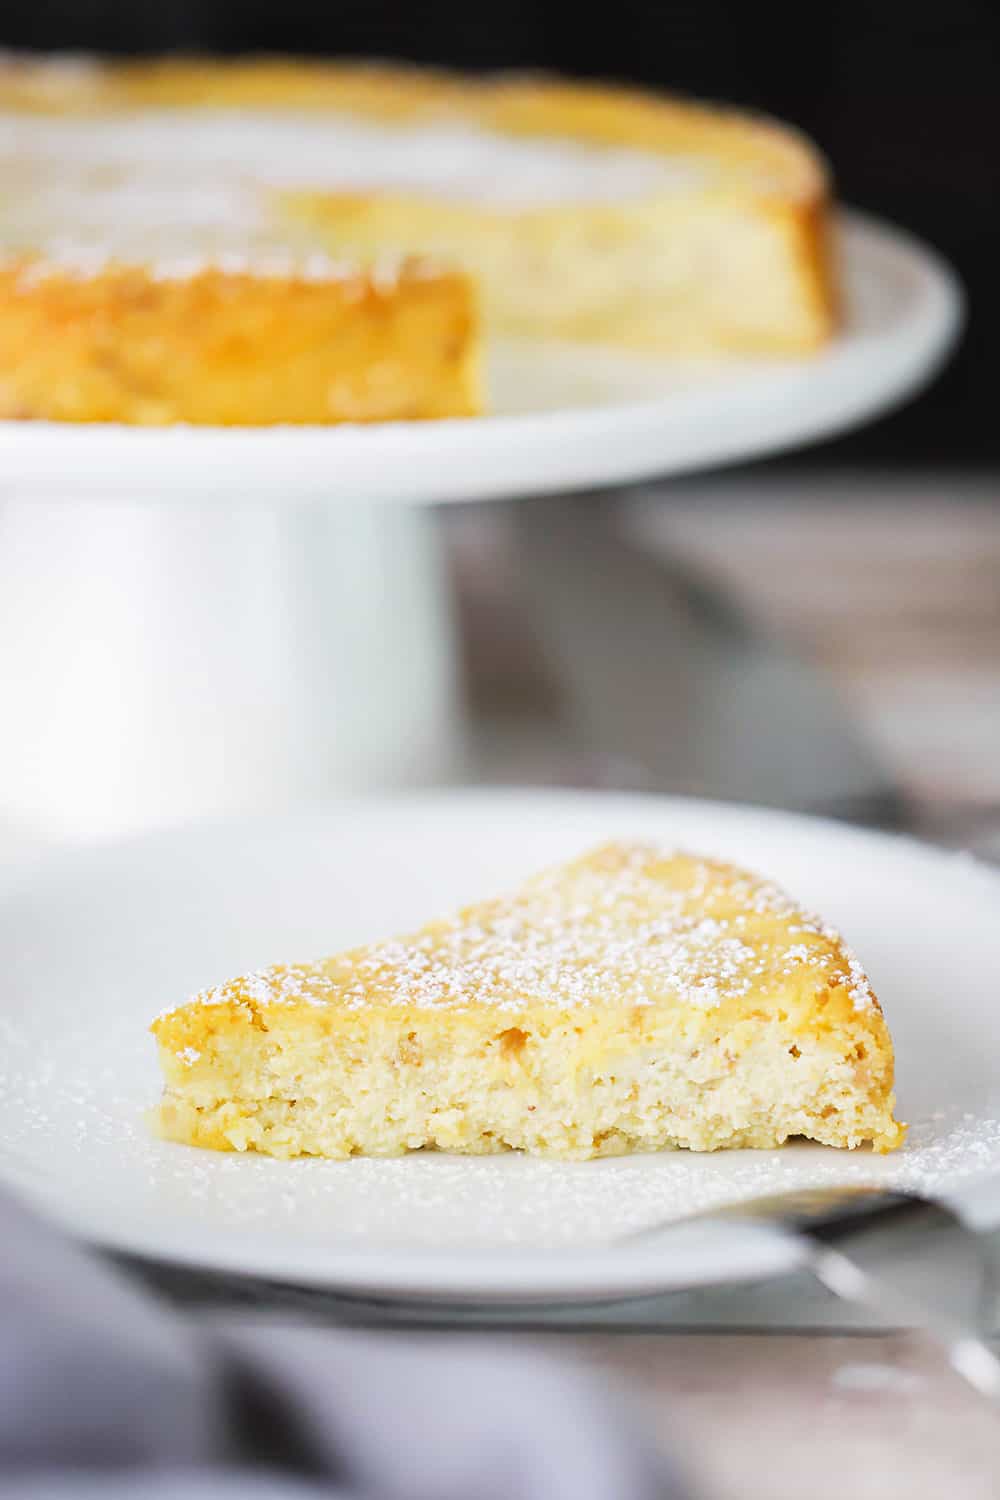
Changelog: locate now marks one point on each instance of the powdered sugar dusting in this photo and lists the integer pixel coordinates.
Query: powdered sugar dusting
(628, 926)
(84, 260)
(131, 180)
(861, 991)
(286, 148)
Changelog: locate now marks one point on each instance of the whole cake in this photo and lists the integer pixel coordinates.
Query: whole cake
(570, 211)
(630, 1001)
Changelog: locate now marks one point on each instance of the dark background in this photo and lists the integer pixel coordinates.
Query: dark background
(903, 95)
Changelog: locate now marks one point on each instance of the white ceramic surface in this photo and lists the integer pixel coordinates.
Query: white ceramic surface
(98, 944)
(162, 664)
(563, 418)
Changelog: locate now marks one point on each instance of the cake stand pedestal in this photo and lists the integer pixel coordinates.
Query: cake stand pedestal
(202, 621)
(165, 662)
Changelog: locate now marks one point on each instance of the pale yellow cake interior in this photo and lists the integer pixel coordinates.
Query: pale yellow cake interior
(629, 1001)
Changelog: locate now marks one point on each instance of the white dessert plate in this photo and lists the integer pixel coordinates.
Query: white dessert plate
(562, 418)
(101, 940)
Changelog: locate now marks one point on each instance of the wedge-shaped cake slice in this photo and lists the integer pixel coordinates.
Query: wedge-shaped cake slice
(630, 1001)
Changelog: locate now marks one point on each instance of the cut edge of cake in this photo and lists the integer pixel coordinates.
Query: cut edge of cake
(226, 339)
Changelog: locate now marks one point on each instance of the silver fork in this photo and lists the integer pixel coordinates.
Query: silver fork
(912, 1261)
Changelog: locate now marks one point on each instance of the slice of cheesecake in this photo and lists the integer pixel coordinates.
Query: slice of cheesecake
(630, 1001)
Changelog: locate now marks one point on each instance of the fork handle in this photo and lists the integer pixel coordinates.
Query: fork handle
(904, 1257)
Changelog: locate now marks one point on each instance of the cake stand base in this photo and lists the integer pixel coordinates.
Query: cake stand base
(164, 661)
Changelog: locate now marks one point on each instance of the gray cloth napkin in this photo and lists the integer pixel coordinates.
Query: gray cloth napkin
(105, 1391)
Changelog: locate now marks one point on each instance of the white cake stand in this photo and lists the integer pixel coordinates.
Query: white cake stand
(198, 621)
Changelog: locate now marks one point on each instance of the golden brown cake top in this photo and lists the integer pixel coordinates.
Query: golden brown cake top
(626, 926)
